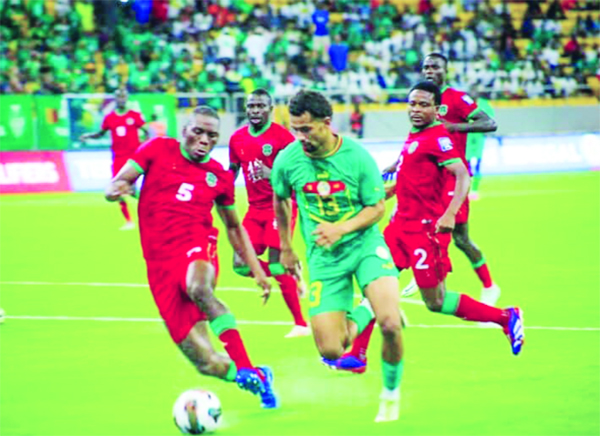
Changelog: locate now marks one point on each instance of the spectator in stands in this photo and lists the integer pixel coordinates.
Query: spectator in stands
(321, 38)
(555, 11)
(448, 12)
(338, 54)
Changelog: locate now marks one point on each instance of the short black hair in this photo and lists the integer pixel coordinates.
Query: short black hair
(208, 111)
(430, 87)
(261, 92)
(312, 102)
(439, 56)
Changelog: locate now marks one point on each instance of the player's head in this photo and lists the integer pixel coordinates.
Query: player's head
(121, 96)
(423, 101)
(435, 68)
(201, 133)
(258, 108)
(310, 119)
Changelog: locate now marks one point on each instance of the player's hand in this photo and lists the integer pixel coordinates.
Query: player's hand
(262, 171)
(450, 127)
(84, 137)
(328, 234)
(118, 189)
(291, 263)
(263, 281)
(389, 172)
(446, 223)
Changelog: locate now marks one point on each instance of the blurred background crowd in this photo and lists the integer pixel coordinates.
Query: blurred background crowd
(506, 49)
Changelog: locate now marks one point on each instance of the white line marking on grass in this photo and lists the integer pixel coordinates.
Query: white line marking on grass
(140, 285)
(283, 323)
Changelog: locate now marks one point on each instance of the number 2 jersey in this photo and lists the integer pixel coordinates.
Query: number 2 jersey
(247, 147)
(177, 197)
(124, 131)
(333, 188)
(421, 176)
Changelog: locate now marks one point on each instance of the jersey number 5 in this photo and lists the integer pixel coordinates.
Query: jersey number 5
(184, 193)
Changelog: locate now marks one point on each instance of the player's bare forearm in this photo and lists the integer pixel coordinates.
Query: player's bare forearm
(480, 122)
(283, 213)
(461, 189)
(390, 190)
(122, 184)
(365, 218)
(235, 169)
(94, 135)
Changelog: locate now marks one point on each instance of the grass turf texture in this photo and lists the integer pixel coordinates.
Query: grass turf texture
(120, 376)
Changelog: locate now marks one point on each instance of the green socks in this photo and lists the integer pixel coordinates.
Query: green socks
(392, 374)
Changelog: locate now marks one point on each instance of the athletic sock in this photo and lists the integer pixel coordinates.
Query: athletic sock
(475, 183)
(289, 290)
(465, 307)
(231, 373)
(362, 315)
(482, 271)
(225, 328)
(361, 343)
(244, 270)
(392, 374)
(125, 210)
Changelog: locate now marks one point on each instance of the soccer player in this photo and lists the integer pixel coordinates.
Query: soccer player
(340, 199)
(253, 148)
(460, 115)
(181, 185)
(123, 125)
(420, 232)
(475, 145)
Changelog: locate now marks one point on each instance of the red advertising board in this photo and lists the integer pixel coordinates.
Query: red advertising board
(32, 171)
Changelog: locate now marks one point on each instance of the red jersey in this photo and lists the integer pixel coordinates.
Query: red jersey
(123, 131)
(177, 198)
(457, 107)
(420, 176)
(247, 147)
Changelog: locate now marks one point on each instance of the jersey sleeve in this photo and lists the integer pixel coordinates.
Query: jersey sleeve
(279, 181)
(371, 184)
(465, 105)
(442, 149)
(286, 138)
(139, 119)
(233, 156)
(145, 154)
(226, 199)
(106, 122)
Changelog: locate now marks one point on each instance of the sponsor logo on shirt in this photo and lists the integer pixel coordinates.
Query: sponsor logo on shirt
(382, 252)
(468, 99)
(445, 143)
(443, 111)
(211, 180)
(130, 121)
(412, 147)
(267, 149)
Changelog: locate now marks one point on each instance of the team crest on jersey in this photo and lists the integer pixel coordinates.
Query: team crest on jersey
(443, 111)
(412, 147)
(267, 149)
(211, 180)
(467, 99)
(382, 252)
(445, 143)
(130, 121)
(324, 188)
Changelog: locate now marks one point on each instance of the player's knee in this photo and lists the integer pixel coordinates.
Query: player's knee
(389, 326)
(330, 350)
(434, 304)
(201, 293)
(461, 241)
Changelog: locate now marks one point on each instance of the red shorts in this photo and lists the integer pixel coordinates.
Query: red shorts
(167, 280)
(261, 226)
(463, 213)
(118, 163)
(425, 252)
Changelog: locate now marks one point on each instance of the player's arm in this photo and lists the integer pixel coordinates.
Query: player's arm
(478, 121)
(283, 215)
(390, 190)
(241, 244)
(123, 183)
(235, 169)
(100, 133)
(461, 189)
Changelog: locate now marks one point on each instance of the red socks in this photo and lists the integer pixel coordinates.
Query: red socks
(125, 211)
(361, 343)
(484, 275)
(473, 310)
(235, 348)
(289, 290)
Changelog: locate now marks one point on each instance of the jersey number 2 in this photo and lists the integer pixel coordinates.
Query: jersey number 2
(184, 193)
(421, 262)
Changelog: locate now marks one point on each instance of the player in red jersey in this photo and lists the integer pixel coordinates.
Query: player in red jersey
(419, 234)
(181, 185)
(253, 149)
(123, 125)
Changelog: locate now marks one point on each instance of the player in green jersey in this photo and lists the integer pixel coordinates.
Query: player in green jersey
(340, 198)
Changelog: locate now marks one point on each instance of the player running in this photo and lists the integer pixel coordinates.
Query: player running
(253, 148)
(181, 185)
(123, 125)
(420, 232)
(340, 199)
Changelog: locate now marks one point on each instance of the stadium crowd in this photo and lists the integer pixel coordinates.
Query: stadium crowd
(359, 47)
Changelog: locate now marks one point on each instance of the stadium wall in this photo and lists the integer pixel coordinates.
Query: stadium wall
(60, 171)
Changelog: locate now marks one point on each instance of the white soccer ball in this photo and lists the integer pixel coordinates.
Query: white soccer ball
(197, 411)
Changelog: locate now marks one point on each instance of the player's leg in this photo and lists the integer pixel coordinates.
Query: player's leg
(117, 164)
(475, 166)
(254, 229)
(490, 292)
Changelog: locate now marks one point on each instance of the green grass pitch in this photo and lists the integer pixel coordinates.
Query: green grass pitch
(83, 352)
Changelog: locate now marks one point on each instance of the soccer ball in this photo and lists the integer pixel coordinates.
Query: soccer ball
(197, 411)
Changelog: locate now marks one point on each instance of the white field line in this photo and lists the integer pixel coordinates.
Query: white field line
(272, 323)
(140, 285)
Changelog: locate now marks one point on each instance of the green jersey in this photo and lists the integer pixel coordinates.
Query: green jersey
(476, 140)
(333, 188)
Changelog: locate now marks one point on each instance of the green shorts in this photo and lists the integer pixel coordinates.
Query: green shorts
(331, 288)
